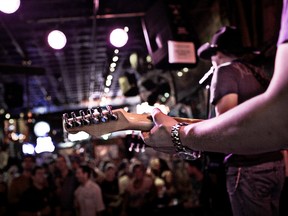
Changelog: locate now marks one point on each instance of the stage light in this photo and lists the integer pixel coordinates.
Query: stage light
(115, 58)
(10, 6)
(57, 39)
(28, 148)
(78, 136)
(44, 144)
(118, 37)
(41, 129)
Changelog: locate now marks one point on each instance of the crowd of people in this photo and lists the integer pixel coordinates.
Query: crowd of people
(72, 185)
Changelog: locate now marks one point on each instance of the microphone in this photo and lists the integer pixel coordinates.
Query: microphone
(206, 75)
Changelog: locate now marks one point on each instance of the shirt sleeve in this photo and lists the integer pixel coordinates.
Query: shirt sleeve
(283, 34)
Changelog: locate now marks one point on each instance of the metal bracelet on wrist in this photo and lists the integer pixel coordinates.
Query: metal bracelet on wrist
(182, 152)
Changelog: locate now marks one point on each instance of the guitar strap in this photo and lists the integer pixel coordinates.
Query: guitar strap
(264, 81)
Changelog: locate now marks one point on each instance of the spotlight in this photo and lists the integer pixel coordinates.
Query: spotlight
(10, 6)
(57, 39)
(118, 37)
(41, 129)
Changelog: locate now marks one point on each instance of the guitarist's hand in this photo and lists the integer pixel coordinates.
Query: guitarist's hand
(159, 137)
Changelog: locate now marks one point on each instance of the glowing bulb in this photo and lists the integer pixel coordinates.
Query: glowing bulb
(41, 129)
(118, 37)
(9, 6)
(57, 39)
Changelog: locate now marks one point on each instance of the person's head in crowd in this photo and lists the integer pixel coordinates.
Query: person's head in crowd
(137, 170)
(75, 162)
(154, 166)
(110, 171)
(83, 173)
(61, 163)
(123, 168)
(167, 176)
(39, 177)
(28, 163)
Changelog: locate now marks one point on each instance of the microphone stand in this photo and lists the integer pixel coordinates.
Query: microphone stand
(204, 79)
(207, 75)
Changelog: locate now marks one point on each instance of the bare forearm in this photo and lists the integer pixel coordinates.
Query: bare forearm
(258, 125)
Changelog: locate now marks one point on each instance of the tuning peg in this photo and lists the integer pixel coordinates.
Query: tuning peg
(143, 148)
(92, 118)
(131, 147)
(84, 120)
(66, 121)
(112, 116)
(109, 107)
(101, 117)
(137, 149)
(76, 122)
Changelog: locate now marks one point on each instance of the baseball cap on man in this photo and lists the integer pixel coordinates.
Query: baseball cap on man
(227, 39)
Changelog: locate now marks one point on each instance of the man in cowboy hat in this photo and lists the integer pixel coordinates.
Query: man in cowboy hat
(233, 82)
(256, 126)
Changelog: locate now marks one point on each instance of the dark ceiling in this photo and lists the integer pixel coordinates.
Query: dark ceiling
(66, 78)
(35, 77)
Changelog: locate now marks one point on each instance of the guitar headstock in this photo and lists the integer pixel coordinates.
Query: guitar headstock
(98, 122)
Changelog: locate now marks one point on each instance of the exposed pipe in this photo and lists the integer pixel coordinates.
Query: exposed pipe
(104, 16)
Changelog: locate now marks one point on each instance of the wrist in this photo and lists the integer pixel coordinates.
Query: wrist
(175, 135)
(182, 151)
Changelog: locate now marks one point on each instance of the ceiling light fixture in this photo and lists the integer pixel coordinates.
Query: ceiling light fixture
(57, 39)
(118, 37)
(41, 129)
(10, 6)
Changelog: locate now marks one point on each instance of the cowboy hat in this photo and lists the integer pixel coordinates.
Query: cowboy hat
(226, 39)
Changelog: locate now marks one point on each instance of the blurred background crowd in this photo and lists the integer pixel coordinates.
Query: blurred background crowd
(158, 185)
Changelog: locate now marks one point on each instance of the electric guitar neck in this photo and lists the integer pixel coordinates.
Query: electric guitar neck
(98, 122)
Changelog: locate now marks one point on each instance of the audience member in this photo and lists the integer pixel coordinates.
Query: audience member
(88, 195)
(38, 198)
(21, 183)
(167, 198)
(171, 193)
(156, 166)
(110, 190)
(140, 193)
(123, 175)
(199, 201)
(65, 186)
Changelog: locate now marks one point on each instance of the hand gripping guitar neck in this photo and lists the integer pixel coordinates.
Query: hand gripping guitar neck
(98, 122)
